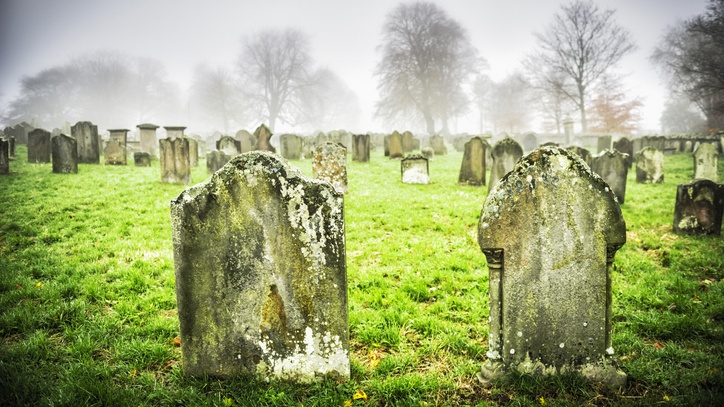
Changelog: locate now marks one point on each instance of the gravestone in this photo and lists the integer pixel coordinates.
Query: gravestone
(142, 159)
(706, 162)
(472, 169)
(637, 144)
(611, 166)
(649, 166)
(604, 143)
(11, 142)
(345, 139)
(394, 142)
(193, 152)
(582, 152)
(247, 141)
(415, 169)
(568, 130)
(428, 153)
(39, 146)
(89, 147)
(290, 146)
(263, 139)
(549, 231)
(216, 159)
(624, 145)
(688, 146)
(148, 137)
(174, 160)
(530, 142)
(437, 143)
(407, 142)
(505, 154)
(229, 146)
(115, 153)
(330, 164)
(259, 258)
(699, 208)
(4, 156)
(65, 154)
(386, 145)
(361, 148)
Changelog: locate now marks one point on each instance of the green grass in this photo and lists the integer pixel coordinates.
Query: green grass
(88, 307)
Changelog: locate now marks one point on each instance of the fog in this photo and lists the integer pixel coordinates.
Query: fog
(178, 38)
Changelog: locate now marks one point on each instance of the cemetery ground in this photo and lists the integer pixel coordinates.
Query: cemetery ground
(88, 307)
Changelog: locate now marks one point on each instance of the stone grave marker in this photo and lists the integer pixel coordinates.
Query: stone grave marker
(568, 130)
(706, 162)
(415, 169)
(394, 145)
(263, 139)
(88, 141)
(649, 166)
(699, 208)
(174, 160)
(549, 231)
(115, 153)
(4, 156)
(330, 164)
(472, 169)
(39, 146)
(624, 145)
(438, 144)
(361, 148)
(611, 166)
(530, 142)
(65, 154)
(582, 152)
(142, 159)
(386, 145)
(229, 145)
(216, 159)
(290, 146)
(688, 146)
(428, 153)
(259, 257)
(148, 137)
(247, 141)
(505, 154)
(407, 142)
(11, 143)
(604, 143)
(193, 152)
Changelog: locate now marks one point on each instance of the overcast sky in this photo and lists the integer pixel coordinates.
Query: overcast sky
(39, 34)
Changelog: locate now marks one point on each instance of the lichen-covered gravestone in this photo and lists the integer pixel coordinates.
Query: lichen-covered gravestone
(330, 164)
(259, 255)
(624, 145)
(263, 139)
(415, 169)
(407, 144)
(582, 152)
(142, 159)
(361, 148)
(247, 142)
(394, 142)
(65, 154)
(115, 153)
(699, 208)
(706, 162)
(505, 154)
(4, 156)
(229, 145)
(175, 161)
(612, 166)
(86, 136)
(437, 143)
(290, 146)
(215, 160)
(649, 166)
(39, 146)
(193, 151)
(472, 169)
(550, 230)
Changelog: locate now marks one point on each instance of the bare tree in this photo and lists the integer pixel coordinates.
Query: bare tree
(682, 116)
(46, 99)
(217, 96)
(582, 43)
(275, 65)
(328, 103)
(482, 88)
(551, 88)
(426, 60)
(509, 101)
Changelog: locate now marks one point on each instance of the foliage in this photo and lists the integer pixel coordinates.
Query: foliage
(611, 110)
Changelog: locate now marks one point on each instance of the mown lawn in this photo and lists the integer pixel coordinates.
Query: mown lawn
(88, 307)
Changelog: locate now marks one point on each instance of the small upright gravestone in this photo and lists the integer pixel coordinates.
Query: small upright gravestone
(706, 162)
(415, 169)
(604, 143)
(148, 137)
(4, 156)
(86, 136)
(247, 142)
(582, 152)
(428, 153)
(611, 166)
(290, 146)
(407, 142)
(11, 142)
(175, 161)
(361, 148)
(65, 154)
(472, 169)
(142, 159)
(193, 151)
(699, 208)
(624, 145)
(263, 139)
(649, 166)
(39, 146)
(216, 159)
(115, 153)
(505, 154)
(530, 142)
(330, 164)
(549, 232)
(437, 143)
(259, 257)
(395, 145)
(229, 145)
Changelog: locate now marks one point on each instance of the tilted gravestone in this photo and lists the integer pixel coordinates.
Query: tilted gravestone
(407, 142)
(624, 145)
(611, 166)
(549, 231)
(89, 147)
(649, 166)
(604, 143)
(4, 156)
(437, 143)
(39, 146)
(699, 208)
(115, 153)
(229, 145)
(706, 162)
(472, 169)
(174, 160)
(263, 139)
(582, 152)
(290, 146)
(330, 164)
(361, 148)
(247, 141)
(415, 169)
(216, 159)
(148, 138)
(505, 154)
(65, 154)
(259, 257)
(142, 159)
(394, 142)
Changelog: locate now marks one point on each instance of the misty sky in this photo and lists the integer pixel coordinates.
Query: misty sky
(344, 35)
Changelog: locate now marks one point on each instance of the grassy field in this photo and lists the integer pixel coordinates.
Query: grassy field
(88, 307)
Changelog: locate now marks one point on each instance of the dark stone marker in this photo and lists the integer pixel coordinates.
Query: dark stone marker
(4, 156)
(582, 152)
(428, 153)
(11, 141)
(395, 145)
(39, 146)
(699, 208)
(361, 148)
(649, 166)
(407, 142)
(142, 159)
(415, 169)
(263, 139)
(624, 145)
(386, 145)
(259, 256)
(604, 143)
(175, 161)
(611, 166)
(215, 160)
(549, 231)
(229, 145)
(290, 146)
(148, 138)
(65, 154)
(86, 136)
(505, 154)
(472, 169)
(330, 164)
(438, 145)
(115, 153)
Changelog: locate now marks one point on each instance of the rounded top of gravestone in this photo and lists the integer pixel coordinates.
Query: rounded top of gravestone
(242, 133)
(147, 126)
(174, 128)
(705, 148)
(507, 146)
(262, 129)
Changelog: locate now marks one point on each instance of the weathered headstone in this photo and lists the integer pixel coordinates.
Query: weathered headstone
(395, 145)
(65, 154)
(549, 232)
(611, 166)
(624, 145)
(290, 146)
(216, 159)
(263, 139)
(173, 132)
(148, 138)
(86, 137)
(415, 169)
(428, 153)
(175, 161)
(4, 156)
(438, 144)
(142, 159)
(386, 145)
(604, 143)
(259, 257)
(229, 146)
(472, 169)
(637, 144)
(115, 153)
(530, 142)
(568, 130)
(706, 162)
(330, 164)
(699, 208)
(407, 144)
(193, 152)
(247, 141)
(361, 148)
(582, 152)
(688, 146)
(39, 146)
(505, 154)
(649, 166)
(11, 142)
